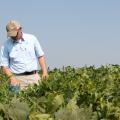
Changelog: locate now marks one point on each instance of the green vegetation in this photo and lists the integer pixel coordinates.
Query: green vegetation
(86, 93)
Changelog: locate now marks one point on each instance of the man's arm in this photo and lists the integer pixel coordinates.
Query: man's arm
(4, 63)
(13, 80)
(41, 58)
(43, 66)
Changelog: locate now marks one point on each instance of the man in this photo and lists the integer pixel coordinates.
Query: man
(20, 56)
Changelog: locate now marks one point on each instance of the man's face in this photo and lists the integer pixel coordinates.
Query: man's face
(19, 34)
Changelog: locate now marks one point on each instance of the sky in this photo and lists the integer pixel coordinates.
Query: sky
(71, 32)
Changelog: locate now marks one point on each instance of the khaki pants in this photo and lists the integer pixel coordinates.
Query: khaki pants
(26, 80)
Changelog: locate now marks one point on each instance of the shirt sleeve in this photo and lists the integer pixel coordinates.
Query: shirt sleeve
(4, 56)
(38, 50)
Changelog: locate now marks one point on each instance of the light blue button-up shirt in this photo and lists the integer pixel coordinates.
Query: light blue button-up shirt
(21, 56)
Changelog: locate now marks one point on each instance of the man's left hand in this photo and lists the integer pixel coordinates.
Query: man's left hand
(44, 75)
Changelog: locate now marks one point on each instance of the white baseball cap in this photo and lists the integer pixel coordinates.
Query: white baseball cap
(12, 28)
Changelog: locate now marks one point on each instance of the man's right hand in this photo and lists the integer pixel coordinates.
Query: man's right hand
(14, 81)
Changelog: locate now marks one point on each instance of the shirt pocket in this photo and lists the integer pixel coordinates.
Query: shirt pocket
(31, 52)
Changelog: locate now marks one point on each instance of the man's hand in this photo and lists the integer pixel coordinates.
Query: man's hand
(14, 81)
(43, 67)
(44, 75)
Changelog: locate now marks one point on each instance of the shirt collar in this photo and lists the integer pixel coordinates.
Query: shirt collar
(18, 41)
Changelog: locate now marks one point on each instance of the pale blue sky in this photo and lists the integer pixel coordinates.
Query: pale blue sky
(71, 32)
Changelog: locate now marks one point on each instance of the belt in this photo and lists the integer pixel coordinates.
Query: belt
(27, 73)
